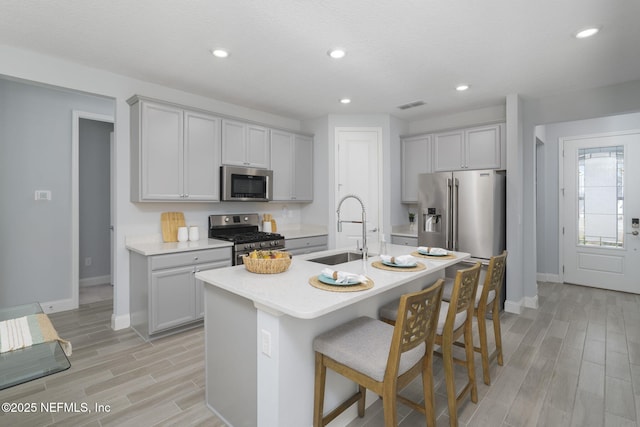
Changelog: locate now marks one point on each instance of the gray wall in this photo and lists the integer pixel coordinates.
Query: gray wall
(94, 199)
(548, 193)
(35, 154)
(623, 98)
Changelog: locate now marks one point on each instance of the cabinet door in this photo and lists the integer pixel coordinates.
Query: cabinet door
(406, 241)
(233, 143)
(257, 149)
(483, 147)
(201, 157)
(162, 152)
(448, 151)
(416, 159)
(199, 285)
(282, 164)
(173, 300)
(303, 166)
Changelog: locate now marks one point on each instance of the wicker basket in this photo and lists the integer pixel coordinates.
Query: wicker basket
(267, 265)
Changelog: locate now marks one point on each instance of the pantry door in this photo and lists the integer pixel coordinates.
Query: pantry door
(601, 204)
(358, 166)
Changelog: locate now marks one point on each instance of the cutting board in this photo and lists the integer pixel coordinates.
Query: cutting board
(171, 221)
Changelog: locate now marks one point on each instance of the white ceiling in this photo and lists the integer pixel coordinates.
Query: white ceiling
(398, 51)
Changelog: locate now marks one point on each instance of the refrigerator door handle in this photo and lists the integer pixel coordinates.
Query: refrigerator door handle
(448, 226)
(455, 204)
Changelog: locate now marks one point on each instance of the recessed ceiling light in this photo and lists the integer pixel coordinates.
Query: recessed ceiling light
(220, 53)
(587, 32)
(337, 53)
(462, 87)
(345, 101)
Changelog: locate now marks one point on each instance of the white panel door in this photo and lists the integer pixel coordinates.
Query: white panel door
(358, 167)
(601, 204)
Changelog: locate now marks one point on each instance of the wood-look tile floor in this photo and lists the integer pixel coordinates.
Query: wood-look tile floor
(573, 362)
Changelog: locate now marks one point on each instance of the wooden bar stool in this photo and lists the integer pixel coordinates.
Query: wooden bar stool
(382, 358)
(487, 301)
(455, 321)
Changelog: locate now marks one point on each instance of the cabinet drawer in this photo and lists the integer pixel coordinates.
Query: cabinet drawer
(304, 242)
(406, 241)
(190, 258)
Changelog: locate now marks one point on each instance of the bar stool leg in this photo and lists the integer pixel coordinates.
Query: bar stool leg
(320, 379)
(468, 340)
(484, 349)
(495, 314)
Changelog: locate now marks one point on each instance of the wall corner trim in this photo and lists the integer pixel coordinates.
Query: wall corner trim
(120, 322)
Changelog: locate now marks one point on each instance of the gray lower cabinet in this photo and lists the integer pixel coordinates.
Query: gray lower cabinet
(165, 295)
(403, 240)
(306, 245)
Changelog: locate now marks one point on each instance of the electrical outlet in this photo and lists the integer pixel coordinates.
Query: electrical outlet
(88, 261)
(43, 195)
(266, 342)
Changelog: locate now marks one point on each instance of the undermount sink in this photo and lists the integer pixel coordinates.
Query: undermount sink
(338, 258)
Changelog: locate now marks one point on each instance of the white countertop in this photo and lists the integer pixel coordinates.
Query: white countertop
(404, 231)
(302, 231)
(153, 244)
(290, 292)
(149, 247)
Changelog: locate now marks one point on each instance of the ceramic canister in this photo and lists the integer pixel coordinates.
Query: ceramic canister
(183, 234)
(194, 233)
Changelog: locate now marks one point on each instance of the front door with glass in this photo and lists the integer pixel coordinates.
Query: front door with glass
(601, 245)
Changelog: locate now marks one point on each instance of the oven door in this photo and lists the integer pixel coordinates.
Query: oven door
(237, 258)
(245, 184)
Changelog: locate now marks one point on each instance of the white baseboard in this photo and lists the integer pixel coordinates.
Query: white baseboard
(120, 322)
(531, 302)
(514, 307)
(59, 305)
(97, 280)
(546, 277)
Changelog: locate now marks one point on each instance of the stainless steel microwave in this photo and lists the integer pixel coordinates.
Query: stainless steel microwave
(245, 184)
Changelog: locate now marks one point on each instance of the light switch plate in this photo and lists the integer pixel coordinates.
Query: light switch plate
(43, 195)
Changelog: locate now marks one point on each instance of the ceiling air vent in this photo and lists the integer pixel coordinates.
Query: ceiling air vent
(411, 105)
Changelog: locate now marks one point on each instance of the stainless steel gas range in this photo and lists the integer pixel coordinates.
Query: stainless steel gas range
(244, 231)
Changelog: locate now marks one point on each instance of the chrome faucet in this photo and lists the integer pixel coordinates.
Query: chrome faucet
(365, 250)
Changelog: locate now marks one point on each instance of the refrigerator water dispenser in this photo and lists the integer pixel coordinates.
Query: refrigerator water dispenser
(431, 221)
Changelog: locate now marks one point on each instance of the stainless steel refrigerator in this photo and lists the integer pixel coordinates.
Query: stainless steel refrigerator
(463, 211)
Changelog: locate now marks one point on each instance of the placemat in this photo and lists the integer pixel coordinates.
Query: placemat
(29, 330)
(379, 264)
(431, 257)
(316, 283)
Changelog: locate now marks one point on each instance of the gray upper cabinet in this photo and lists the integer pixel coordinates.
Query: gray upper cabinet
(472, 148)
(175, 153)
(416, 159)
(292, 165)
(202, 157)
(245, 144)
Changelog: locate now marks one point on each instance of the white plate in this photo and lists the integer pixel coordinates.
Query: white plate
(390, 264)
(331, 281)
(428, 254)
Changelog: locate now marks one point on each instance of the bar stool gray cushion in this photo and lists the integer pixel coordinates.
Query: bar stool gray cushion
(363, 344)
(390, 311)
(448, 290)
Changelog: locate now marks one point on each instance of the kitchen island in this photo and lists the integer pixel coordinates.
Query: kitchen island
(259, 330)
